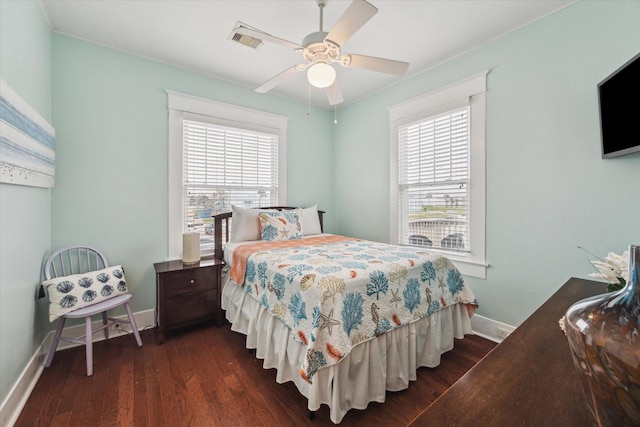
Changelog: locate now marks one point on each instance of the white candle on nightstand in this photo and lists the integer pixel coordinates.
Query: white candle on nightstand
(191, 248)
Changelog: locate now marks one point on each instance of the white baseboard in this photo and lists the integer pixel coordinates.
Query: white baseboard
(19, 393)
(490, 329)
(17, 397)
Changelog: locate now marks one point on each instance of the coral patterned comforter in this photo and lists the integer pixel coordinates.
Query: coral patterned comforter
(334, 292)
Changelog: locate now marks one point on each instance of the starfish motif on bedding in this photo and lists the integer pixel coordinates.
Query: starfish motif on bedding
(328, 321)
(284, 233)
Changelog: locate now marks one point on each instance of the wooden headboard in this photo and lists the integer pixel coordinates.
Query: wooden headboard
(222, 227)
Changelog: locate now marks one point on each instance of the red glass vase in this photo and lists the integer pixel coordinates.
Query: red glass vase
(604, 337)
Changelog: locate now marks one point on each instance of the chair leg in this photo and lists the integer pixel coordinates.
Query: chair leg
(56, 340)
(89, 344)
(132, 322)
(105, 320)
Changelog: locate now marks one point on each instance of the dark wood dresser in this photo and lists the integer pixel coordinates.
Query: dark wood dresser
(527, 380)
(187, 294)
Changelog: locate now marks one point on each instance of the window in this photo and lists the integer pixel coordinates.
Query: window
(433, 182)
(220, 155)
(438, 173)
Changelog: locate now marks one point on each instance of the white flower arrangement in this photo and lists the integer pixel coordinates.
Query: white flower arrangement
(614, 269)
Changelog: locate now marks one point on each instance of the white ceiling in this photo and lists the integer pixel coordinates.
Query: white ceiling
(194, 34)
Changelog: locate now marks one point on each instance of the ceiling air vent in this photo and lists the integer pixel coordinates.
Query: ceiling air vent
(252, 42)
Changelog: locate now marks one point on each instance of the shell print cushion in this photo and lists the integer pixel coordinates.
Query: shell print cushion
(69, 293)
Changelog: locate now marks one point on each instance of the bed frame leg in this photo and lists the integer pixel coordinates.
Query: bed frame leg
(312, 415)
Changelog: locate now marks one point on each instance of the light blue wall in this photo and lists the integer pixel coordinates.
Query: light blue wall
(25, 65)
(110, 113)
(548, 190)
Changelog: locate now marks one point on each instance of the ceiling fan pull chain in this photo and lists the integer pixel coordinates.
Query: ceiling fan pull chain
(309, 98)
(335, 114)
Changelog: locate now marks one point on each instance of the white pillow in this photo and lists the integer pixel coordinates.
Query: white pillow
(69, 293)
(283, 225)
(310, 220)
(245, 224)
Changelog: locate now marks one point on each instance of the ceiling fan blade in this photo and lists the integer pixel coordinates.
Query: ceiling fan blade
(280, 78)
(357, 14)
(372, 63)
(252, 32)
(334, 94)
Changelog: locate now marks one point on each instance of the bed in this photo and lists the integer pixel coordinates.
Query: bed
(344, 319)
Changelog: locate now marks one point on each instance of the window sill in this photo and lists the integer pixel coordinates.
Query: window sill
(470, 268)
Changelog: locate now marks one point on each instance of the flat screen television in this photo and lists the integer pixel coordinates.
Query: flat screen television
(619, 102)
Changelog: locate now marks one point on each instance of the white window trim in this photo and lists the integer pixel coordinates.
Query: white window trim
(181, 105)
(474, 89)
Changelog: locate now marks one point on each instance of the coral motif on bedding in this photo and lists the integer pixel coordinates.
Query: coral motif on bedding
(339, 292)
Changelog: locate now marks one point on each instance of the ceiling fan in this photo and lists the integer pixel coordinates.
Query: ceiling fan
(320, 49)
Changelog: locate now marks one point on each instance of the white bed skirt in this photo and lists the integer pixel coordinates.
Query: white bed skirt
(388, 362)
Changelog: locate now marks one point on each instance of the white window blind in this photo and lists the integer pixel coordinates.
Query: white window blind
(225, 166)
(236, 155)
(434, 182)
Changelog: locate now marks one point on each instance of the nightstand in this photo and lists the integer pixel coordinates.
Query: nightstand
(187, 294)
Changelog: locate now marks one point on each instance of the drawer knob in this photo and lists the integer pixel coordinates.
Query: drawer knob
(192, 281)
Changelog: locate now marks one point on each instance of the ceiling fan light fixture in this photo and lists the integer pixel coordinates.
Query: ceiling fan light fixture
(321, 75)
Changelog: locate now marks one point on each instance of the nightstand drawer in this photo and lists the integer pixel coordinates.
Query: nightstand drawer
(187, 282)
(189, 309)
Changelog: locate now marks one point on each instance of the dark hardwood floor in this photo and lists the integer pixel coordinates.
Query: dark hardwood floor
(204, 376)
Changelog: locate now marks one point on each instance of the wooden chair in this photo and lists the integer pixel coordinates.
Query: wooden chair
(81, 259)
